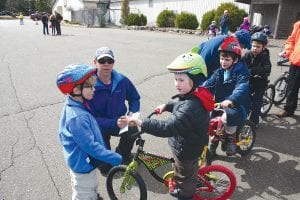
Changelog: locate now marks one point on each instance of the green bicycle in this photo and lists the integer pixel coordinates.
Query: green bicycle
(124, 182)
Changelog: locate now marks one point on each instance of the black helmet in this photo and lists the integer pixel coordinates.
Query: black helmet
(255, 28)
(260, 37)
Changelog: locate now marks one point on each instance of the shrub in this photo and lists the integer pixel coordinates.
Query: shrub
(186, 20)
(166, 19)
(206, 19)
(236, 15)
(136, 20)
(143, 19)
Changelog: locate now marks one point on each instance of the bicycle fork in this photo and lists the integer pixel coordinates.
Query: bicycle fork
(128, 180)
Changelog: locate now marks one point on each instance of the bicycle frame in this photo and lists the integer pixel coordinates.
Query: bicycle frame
(152, 161)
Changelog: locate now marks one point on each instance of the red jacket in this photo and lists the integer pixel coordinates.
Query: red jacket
(292, 46)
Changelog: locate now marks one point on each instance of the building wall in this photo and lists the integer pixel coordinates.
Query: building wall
(151, 9)
(289, 13)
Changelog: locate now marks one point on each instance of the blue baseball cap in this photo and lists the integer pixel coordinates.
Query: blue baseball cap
(244, 38)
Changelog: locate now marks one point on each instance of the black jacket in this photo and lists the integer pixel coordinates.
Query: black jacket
(259, 67)
(187, 127)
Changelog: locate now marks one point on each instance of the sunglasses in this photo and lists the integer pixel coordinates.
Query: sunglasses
(106, 60)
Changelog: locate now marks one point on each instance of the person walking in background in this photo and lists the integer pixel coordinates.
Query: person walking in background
(246, 24)
(45, 24)
(224, 23)
(53, 24)
(58, 20)
(21, 17)
(292, 51)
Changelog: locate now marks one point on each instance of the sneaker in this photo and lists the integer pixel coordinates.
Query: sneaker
(231, 149)
(284, 113)
(175, 192)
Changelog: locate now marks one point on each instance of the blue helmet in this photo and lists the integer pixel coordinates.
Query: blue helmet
(260, 37)
(73, 75)
(244, 38)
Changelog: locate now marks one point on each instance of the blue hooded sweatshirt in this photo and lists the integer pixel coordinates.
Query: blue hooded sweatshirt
(80, 137)
(109, 102)
(235, 88)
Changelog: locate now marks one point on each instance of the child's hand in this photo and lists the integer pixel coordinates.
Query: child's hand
(159, 109)
(122, 122)
(134, 122)
(227, 104)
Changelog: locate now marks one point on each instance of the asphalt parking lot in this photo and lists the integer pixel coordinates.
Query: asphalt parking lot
(31, 160)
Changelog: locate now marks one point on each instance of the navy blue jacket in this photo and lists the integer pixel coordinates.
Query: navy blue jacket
(108, 104)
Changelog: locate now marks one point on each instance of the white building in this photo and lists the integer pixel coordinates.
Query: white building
(149, 8)
(152, 8)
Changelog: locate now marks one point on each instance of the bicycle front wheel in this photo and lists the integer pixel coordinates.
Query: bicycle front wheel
(267, 100)
(132, 188)
(280, 89)
(215, 182)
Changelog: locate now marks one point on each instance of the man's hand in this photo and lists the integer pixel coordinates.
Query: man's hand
(122, 122)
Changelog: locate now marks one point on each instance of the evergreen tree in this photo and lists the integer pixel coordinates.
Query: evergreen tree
(124, 11)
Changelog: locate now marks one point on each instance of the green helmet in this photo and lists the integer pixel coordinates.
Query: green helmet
(189, 63)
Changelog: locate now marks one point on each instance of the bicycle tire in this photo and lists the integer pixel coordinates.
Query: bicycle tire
(111, 183)
(244, 133)
(268, 99)
(211, 181)
(280, 89)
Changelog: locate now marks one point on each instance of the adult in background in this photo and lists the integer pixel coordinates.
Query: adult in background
(58, 18)
(224, 22)
(45, 24)
(209, 49)
(113, 92)
(292, 51)
(53, 24)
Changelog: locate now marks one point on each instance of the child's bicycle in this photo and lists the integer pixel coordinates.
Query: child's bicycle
(244, 137)
(280, 85)
(214, 181)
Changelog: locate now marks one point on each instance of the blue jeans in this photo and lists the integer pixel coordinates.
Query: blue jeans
(224, 30)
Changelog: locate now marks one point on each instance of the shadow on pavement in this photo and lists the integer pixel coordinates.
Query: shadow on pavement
(270, 168)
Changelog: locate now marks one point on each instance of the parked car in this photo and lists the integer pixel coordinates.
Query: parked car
(7, 13)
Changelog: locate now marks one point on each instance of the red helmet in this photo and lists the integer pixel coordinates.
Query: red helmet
(73, 75)
(230, 44)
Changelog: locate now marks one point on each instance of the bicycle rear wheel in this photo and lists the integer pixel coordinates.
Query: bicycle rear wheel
(245, 138)
(280, 89)
(133, 189)
(215, 182)
(267, 100)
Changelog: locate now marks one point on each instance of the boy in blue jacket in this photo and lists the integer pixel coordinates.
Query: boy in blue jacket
(230, 86)
(79, 133)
